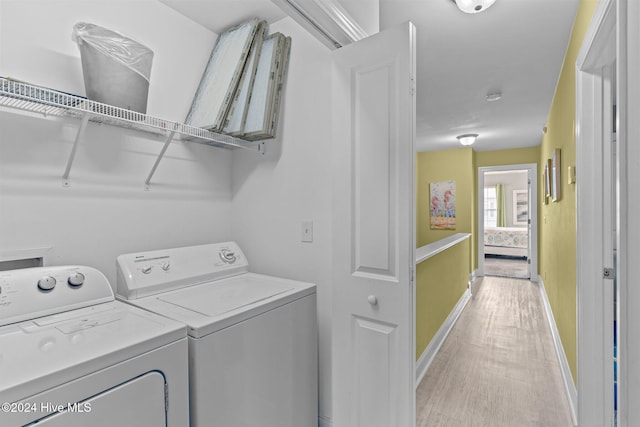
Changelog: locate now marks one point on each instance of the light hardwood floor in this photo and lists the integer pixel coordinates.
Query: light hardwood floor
(506, 267)
(498, 366)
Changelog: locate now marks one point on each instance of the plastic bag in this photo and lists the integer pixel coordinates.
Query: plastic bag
(132, 54)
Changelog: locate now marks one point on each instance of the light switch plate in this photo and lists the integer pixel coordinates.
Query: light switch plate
(571, 175)
(307, 231)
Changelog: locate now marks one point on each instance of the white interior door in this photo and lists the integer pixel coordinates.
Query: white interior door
(596, 217)
(531, 197)
(374, 231)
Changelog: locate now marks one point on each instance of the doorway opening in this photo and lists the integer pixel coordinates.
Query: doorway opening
(507, 221)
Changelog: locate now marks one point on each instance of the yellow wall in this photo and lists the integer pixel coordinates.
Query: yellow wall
(557, 220)
(447, 165)
(441, 281)
(515, 156)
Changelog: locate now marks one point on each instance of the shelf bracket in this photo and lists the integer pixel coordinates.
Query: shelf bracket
(79, 137)
(160, 156)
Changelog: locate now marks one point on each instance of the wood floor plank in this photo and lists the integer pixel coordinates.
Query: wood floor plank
(498, 365)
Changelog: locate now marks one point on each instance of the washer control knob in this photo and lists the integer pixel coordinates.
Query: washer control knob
(165, 266)
(227, 256)
(146, 270)
(47, 283)
(76, 279)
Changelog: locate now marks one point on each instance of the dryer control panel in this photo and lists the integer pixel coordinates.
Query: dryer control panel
(149, 273)
(30, 293)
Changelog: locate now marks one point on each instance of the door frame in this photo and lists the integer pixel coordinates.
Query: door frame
(595, 341)
(532, 172)
(628, 268)
(612, 20)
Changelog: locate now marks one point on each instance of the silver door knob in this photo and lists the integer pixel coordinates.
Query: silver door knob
(373, 300)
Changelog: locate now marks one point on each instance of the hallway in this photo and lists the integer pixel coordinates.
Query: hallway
(498, 366)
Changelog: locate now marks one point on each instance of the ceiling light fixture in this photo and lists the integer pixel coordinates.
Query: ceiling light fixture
(467, 139)
(494, 96)
(473, 6)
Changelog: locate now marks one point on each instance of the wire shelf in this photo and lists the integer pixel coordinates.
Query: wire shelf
(49, 102)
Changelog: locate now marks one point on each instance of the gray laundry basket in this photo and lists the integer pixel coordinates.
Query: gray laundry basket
(116, 69)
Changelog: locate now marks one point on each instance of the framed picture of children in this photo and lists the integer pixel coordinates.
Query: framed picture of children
(443, 205)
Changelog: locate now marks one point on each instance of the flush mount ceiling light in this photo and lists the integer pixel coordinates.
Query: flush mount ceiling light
(473, 6)
(467, 139)
(493, 96)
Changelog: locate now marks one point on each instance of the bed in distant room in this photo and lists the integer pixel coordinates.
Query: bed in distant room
(512, 242)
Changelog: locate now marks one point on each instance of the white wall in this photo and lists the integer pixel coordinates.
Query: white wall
(274, 193)
(365, 12)
(199, 194)
(36, 46)
(106, 211)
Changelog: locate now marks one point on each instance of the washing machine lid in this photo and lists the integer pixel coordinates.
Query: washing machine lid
(209, 307)
(223, 297)
(46, 352)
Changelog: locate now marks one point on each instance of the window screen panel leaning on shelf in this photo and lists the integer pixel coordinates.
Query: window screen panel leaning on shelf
(279, 89)
(263, 86)
(238, 112)
(221, 76)
(262, 109)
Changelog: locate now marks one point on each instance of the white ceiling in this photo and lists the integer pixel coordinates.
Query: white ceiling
(218, 15)
(516, 47)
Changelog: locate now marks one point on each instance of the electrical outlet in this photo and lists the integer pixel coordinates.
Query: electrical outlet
(307, 231)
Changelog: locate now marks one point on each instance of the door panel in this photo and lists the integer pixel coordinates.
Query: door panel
(372, 217)
(375, 338)
(374, 230)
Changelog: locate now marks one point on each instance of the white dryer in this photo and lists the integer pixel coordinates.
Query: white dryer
(71, 355)
(252, 338)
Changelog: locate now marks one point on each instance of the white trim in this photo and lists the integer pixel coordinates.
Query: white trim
(427, 251)
(324, 421)
(340, 17)
(629, 227)
(430, 352)
(326, 20)
(473, 276)
(532, 172)
(594, 316)
(628, 268)
(567, 377)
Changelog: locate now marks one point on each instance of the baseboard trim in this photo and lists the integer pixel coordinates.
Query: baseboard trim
(567, 378)
(324, 421)
(473, 276)
(430, 352)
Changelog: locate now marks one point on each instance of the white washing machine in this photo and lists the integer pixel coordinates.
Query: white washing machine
(71, 355)
(252, 338)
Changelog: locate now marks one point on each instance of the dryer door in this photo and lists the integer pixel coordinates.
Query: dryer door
(139, 402)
